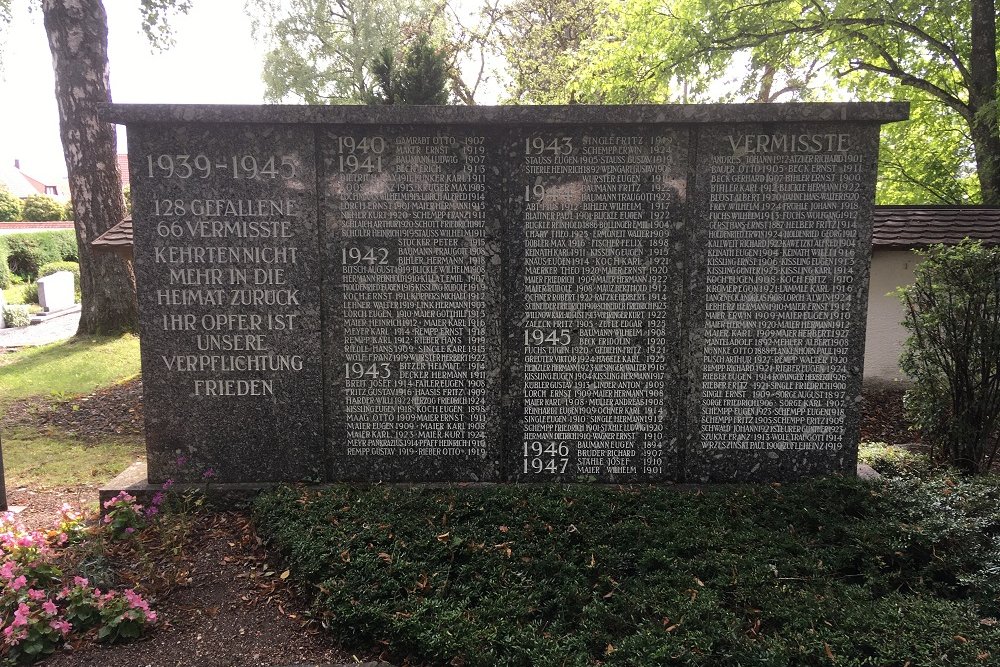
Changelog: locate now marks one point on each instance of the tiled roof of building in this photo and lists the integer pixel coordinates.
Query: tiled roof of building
(917, 226)
(123, 168)
(119, 236)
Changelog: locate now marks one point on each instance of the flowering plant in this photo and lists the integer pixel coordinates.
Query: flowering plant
(123, 515)
(39, 610)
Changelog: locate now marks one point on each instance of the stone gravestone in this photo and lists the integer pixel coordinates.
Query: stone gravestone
(615, 294)
(56, 291)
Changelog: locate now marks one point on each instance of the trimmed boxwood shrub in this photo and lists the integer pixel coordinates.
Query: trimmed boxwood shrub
(28, 252)
(16, 315)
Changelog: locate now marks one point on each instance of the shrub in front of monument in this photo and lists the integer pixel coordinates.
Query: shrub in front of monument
(42, 603)
(868, 573)
(895, 461)
(953, 353)
(16, 315)
(55, 267)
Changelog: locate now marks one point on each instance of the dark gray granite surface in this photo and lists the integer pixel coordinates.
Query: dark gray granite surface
(228, 277)
(606, 294)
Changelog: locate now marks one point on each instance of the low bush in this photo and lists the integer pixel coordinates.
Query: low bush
(953, 353)
(16, 315)
(28, 252)
(31, 292)
(819, 572)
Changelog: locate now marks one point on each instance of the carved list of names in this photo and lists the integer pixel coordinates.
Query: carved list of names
(780, 257)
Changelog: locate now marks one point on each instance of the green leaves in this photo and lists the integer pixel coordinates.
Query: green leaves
(740, 575)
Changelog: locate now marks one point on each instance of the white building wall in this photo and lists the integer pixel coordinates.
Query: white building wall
(884, 341)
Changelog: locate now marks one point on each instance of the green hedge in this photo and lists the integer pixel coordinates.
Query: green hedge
(28, 252)
(829, 571)
(5, 277)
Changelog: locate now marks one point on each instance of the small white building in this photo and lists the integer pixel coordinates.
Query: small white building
(898, 233)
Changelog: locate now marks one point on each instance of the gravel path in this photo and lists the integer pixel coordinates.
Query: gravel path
(58, 328)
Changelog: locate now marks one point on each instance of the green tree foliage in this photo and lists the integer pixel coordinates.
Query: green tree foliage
(322, 51)
(421, 77)
(41, 208)
(943, 56)
(953, 353)
(67, 213)
(10, 206)
(542, 41)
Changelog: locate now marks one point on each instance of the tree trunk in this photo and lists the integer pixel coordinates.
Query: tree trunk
(983, 99)
(78, 39)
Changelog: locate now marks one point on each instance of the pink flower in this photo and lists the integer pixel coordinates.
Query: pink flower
(36, 594)
(152, 511)
(21, 615)
(208, 474)
(157, 499)
(80, 581)
(49, 607)
(151, 616)
(63, 538)
(181, 460)
(167, 484)
(61, 625)
(130, 530)
(7, 569)
(18, 583)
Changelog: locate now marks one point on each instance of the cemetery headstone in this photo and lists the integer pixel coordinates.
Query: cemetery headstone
(614, 294)
(56, 291)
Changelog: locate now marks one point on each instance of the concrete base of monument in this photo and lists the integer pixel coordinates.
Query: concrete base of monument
(135, 482)
(235, 494)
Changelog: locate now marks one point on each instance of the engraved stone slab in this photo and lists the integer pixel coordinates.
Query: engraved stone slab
(600, 223)
(412, 305)
(228, 277)
(583, 293)
(779, 277)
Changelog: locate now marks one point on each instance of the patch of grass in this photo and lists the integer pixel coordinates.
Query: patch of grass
(828, 571)
(67, 368)
(896, 461)
(15, 293)
(42, 460)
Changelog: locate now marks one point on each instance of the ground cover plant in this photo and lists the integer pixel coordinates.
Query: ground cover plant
(829, 571)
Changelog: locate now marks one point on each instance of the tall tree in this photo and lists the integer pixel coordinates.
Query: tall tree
(322, 51)
(77, 33)
(78, 39)
(943, 55)
(541, 40)
(326, 51)
(419, 77)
